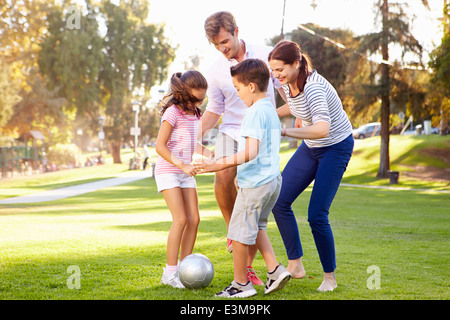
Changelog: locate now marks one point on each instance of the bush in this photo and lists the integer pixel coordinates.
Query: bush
(64, 154)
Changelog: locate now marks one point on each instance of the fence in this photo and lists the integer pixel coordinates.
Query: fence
(19, 159)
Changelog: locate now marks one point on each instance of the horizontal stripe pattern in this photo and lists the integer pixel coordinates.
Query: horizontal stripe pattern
(182, 141)
(319, 101)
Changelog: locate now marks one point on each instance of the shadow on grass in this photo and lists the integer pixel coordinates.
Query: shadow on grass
(208, 227)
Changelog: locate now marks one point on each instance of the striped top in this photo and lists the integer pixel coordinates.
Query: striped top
(319, 101)
(182, 140)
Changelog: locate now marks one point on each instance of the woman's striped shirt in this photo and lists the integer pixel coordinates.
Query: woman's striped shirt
(182, 141)
(319, 101)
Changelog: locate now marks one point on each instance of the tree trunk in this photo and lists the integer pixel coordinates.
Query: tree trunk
(115, 147)
(385, 103)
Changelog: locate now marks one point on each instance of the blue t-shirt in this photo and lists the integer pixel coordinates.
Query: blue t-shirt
(262, 123)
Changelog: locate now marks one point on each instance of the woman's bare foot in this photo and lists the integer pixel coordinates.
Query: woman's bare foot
(329, 282)
(296, 269)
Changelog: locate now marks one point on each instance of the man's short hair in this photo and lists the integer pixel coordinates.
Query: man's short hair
(252, 71)
(221, 19)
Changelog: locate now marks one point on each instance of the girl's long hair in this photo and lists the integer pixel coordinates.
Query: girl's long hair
(289, 52)
(180, 94)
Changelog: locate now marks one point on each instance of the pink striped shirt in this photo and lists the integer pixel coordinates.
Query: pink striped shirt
(182, 140)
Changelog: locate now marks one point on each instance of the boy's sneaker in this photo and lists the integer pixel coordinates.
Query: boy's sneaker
(172, 279)
(276, 279)
(236, 290)
(251, 276)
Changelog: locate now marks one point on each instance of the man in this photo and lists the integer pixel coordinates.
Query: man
(223, 101)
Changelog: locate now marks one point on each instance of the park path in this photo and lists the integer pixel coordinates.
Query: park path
(128, 177)
(76, 190)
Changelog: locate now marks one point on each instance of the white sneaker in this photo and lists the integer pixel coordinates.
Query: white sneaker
(172, 279)
(235, 290)
(277, 279)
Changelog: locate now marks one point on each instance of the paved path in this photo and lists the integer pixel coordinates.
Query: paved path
(76, 190)
(391, 188)
(128, 177)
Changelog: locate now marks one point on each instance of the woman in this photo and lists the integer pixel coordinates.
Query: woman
(323, 155)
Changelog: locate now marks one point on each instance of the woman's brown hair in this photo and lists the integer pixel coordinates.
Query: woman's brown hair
(180, 94)
(289, 52)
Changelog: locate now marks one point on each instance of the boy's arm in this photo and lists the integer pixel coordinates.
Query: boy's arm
(249, 153)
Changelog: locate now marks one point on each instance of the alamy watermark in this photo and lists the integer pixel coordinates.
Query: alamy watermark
(73, 20)
(74, 280)
(374, 280)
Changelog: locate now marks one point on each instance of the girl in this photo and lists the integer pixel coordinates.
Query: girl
(323, 155)
(176, 142)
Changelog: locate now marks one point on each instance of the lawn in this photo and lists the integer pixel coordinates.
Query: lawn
(116, 237)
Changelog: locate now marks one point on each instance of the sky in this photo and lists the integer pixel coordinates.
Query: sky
(260, 20)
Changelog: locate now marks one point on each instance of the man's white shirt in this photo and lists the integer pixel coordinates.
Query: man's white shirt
(222, 96)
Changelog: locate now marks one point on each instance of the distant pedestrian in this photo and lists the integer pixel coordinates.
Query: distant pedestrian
(146, 156)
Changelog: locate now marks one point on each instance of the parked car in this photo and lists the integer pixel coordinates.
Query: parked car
(368, 130)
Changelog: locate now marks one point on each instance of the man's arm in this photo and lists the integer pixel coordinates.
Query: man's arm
(208, 121)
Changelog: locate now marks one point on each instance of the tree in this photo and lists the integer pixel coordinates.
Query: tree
(136, 57)
(41, 109)
(9, 89)
(440, 82)
(22, 26)
(100, 76)
(338, 64)
(71, 59)
(395, 30)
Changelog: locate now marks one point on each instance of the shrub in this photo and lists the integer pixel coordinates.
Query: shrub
(63, 154)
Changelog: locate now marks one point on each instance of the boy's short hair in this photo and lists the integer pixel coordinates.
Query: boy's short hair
(252, 71)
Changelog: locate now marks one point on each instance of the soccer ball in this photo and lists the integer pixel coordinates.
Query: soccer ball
(196, 271)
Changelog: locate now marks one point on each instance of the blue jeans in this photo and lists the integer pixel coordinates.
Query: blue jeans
(326, 166)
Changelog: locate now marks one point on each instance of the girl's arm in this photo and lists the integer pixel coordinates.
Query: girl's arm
(249, 153)
(163, 151)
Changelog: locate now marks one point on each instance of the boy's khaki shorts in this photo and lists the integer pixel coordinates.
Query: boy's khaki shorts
(251, 211)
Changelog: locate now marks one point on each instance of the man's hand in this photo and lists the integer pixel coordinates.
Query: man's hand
(207, 165)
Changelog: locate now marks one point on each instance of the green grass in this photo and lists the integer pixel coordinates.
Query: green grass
(117, 237)
(405, 151)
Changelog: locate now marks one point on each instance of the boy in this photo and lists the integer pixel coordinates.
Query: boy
(258, 176)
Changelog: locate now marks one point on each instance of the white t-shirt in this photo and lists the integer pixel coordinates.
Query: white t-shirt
(222, 96)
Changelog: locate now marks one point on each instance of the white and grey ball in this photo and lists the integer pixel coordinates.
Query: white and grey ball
(196, 271)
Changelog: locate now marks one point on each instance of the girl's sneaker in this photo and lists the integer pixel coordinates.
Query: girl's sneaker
(236, 290)
(253, 277)
(171, 279)
(276, 279)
